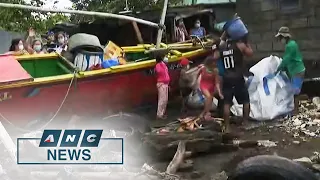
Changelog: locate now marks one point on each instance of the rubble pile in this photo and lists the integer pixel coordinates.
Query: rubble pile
(306, 123)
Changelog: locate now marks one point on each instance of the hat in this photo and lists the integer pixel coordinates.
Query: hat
(184, 62)
(283, 31)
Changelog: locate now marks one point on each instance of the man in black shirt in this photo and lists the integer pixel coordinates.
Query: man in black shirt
(234, 85)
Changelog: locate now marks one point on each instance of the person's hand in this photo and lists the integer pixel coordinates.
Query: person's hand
(221, 96)
(200, 66)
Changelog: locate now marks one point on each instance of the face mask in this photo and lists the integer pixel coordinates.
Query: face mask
(197, 25)
(21, 47)
(188, 66)
(37, 48)
(165, 59)
(61, 40)
(283, 41)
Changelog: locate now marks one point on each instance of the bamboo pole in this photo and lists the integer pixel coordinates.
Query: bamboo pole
(89, 13)
(138, 32)
(162, 20)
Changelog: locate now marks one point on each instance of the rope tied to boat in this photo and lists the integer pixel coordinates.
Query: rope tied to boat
(54, 115)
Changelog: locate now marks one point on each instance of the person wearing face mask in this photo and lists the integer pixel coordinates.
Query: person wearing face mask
(37, 47)
(187, 81)
(163, 80)
(198, 30)
(61, 42)
(17, 48)
(181, 33)
(292, 63)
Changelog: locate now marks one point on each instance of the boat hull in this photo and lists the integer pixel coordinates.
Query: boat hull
(95, 95)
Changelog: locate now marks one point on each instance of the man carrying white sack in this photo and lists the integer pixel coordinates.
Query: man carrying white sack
(292, 63)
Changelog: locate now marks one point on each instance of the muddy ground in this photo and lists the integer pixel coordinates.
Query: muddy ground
(206, 166)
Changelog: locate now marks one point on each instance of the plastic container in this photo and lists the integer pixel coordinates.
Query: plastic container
(236, 29)
(109, 63)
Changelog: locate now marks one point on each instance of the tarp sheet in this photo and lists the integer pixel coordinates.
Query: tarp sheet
(11, 71)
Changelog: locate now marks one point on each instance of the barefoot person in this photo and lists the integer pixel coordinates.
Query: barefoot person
(187, 81)
(292, 63)
(163, 80)
(209, 83)
(233, 77)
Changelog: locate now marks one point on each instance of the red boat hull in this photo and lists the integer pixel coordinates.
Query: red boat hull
(88, 96)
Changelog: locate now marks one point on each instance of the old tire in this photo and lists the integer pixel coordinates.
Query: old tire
(266, 167)
(134, 126)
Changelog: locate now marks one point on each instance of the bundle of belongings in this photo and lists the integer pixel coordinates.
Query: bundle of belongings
(270, 94)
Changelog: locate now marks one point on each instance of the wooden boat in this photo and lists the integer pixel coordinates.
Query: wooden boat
(39, 87)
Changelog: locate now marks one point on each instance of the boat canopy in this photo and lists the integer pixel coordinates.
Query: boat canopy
(12, 71)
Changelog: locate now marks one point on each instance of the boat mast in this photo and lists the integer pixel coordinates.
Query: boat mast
(162, 20)
(89, 13)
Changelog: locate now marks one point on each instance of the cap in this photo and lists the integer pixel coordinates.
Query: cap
(184, 62)
(283, 31)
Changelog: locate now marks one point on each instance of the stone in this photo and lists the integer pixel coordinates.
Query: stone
(316, 167)
(304, 160)
(220, 176)
(296, 142)
(266, 143)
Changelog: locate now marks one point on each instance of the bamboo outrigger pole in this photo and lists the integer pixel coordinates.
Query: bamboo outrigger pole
(162, 20)
(90, 13)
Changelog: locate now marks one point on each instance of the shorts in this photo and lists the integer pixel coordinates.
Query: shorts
(235, 88)
(297, 82)
(185, 92)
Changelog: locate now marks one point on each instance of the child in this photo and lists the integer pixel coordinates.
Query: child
(163, 80)
(209, 83)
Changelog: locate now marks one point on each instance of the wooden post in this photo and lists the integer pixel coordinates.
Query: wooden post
(138, 32)
(162, 20)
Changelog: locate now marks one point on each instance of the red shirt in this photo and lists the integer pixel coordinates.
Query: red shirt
(162, 73)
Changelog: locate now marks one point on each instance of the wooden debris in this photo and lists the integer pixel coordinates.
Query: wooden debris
(177, 159)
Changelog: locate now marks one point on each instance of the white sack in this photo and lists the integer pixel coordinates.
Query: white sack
(266, 106)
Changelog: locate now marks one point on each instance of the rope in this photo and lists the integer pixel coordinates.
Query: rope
(57, 112)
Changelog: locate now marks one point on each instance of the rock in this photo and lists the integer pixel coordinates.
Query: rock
(197, 174)
(297, 122)
(305, 161)
(316, 121)
(220, 176)
(296, 142)
(316, 101)
(316, 167)
(266, 143)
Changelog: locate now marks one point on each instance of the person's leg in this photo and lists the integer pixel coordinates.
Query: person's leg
(297, 82)
(228, 93)
(207, 103)
(185, 92)
(242, 96)
(161, 100)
